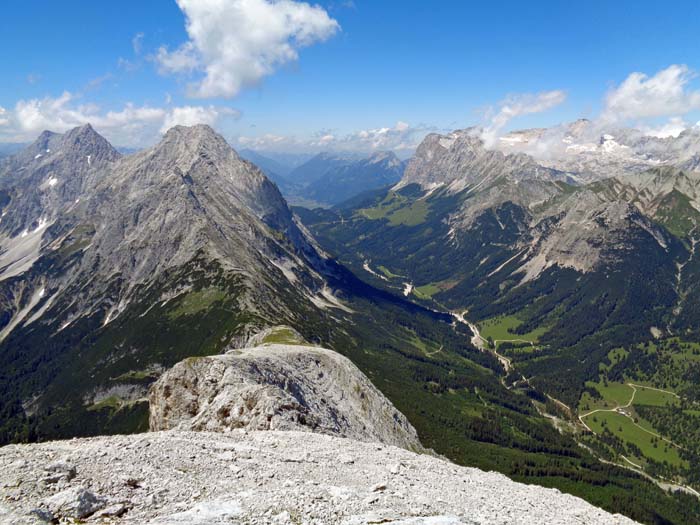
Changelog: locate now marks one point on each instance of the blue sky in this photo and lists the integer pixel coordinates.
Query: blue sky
(402, 66)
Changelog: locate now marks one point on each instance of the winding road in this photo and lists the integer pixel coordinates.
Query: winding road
(481, 343)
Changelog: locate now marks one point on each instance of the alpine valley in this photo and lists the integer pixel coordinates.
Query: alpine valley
(570, 252)
(528, 314)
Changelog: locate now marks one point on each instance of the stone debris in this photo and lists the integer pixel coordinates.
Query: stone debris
(59, 471)
(75, 502)
(183, 477)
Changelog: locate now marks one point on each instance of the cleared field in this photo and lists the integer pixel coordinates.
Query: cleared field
(628, 425)
(398, 210)
(616, 395)
(625, 429)
(195, 302)
(648, 396)
(613, 395)
(426, 291)
(411, 215)
(387, 272)
(500, 329)
(283, 335)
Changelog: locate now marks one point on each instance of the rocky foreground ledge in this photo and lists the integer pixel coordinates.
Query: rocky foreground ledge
(198, 478)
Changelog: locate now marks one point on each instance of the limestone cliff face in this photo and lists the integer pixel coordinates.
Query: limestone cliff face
(460, 160)
(277, 387)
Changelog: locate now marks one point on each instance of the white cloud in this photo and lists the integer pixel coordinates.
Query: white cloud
(97, 82)
(182, 60)
(137, 43)
(516, 106)
(131, 125)
(128, 65)
(191, 115)
(61, 114)
(3, 117)
(674, 127)
(326, 139)
(664, 94)
(267, 141)
(402, 126)
(401, 137)
(236, 43)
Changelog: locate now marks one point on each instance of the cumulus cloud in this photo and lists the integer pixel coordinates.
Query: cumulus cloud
(400, 137)
(672, 128)
(640, 96)
(235, 44)
(191, 115)
(516, 106)
(267, 141)
(182, 60)
(62, 113)
(130, 125)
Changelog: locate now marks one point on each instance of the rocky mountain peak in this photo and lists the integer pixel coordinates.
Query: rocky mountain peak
(189, 144)
(48, 178)
(44, 140)
(197, 163)
(197, 135)
(85, 141)
(461, 160)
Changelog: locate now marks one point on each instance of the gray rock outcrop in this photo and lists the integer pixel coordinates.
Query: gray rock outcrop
(277, 387)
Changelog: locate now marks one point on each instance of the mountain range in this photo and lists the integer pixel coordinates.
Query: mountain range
(574, 263)
(103, 255)
(114, 268)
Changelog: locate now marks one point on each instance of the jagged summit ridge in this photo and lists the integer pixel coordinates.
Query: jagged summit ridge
(460, 160)
(45, 181)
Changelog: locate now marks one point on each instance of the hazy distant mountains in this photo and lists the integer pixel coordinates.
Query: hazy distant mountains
(10, 148)
(328, 178)
(590, 151)
(277, 166)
